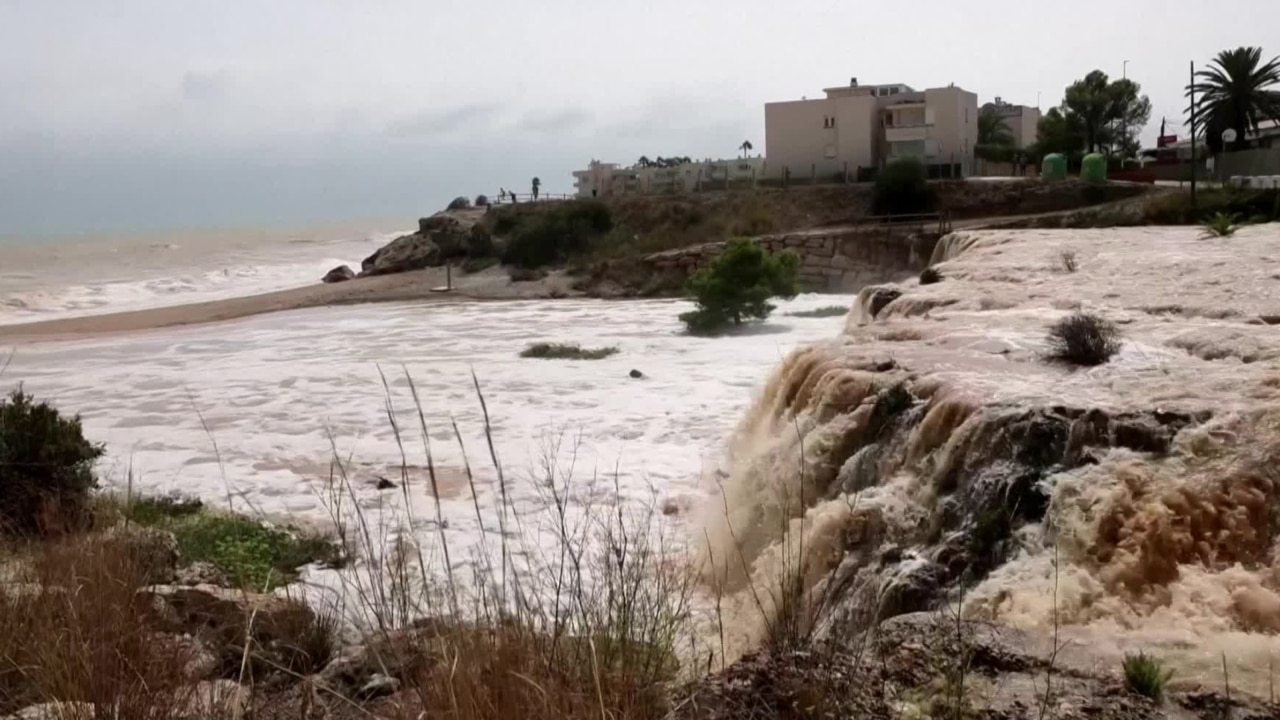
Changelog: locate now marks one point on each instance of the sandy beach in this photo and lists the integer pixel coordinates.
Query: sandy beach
(418, 286)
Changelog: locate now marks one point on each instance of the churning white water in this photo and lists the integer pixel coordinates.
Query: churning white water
(251, 407)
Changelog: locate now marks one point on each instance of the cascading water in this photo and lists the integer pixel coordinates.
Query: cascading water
(933, 452)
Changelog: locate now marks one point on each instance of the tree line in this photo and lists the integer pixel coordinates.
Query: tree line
(1237, 91)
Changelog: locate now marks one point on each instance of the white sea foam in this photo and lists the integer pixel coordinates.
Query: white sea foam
(271, 390)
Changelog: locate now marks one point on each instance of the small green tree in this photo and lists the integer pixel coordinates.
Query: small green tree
(738, 286)
(902, 189)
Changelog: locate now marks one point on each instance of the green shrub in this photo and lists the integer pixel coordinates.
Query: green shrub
(566, 351)
(152, 511)
(249, 551)
(459, 203)
(738, 286)
(46, 468)
(1220, 224)
(482, 201)
(902, 189)
(1146, 675)
(553, 235)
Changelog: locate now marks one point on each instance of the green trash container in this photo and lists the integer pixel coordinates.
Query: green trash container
(1053, 167)
(1093, 169)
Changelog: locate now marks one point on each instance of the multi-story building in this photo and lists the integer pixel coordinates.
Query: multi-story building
(861, 127)
(1022, 121)
(610, 179)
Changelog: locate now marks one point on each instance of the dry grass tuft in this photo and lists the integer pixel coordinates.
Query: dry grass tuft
(75, 633)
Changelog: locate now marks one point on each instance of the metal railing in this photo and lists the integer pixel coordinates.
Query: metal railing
(941, 220)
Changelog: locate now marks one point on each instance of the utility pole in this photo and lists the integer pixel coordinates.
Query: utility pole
(1191, 90)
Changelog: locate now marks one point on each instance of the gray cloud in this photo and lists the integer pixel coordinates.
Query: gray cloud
(435, 123)
(566, 120)
(202, 86)
(163, 112)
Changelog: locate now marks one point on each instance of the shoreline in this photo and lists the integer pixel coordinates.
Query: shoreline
(488, 285)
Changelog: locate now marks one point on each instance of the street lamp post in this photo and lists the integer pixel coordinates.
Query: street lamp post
(1124, 119)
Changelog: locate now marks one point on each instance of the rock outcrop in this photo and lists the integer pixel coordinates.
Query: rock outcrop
(931, 665)
(440, 238)
(278, 626)
(342, 273)
(831, 260)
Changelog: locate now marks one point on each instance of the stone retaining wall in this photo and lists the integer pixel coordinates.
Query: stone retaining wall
(842, 260)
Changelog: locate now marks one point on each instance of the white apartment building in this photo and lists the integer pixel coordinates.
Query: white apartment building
(610, 179)
(1023, 121)
(856, 128)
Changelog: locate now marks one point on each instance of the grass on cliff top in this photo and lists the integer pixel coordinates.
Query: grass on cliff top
(566, 351)
(252, 553)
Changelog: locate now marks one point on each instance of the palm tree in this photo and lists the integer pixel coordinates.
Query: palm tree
(1236, 92)
(992, 129)
(746, 147)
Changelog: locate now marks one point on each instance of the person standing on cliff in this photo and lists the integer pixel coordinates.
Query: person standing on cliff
(537, 183)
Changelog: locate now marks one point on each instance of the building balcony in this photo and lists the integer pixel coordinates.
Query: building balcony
(903, 133)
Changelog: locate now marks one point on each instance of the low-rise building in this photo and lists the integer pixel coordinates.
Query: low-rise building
(1023, 121)
(610, 179)
(861, 127)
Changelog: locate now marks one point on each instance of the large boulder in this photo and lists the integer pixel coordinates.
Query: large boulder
(439, 239)
(342, 273)
(447, 232)
(405, 253)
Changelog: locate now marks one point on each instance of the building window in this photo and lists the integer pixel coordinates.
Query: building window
(907, 148)
(893, 91)
(828, 122)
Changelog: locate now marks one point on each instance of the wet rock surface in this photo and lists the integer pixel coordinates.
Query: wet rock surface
(968, 466)
(932, 665)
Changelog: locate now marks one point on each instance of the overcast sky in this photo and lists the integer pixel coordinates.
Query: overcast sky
(145, 114)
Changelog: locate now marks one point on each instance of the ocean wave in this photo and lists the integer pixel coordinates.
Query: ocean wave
(186, 286)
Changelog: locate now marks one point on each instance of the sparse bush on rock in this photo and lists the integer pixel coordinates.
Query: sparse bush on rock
(482, 200)
(459, 203)
(1083, 339)
(1067, 259)
(566, 351)
(46, 468)
(929, 276)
